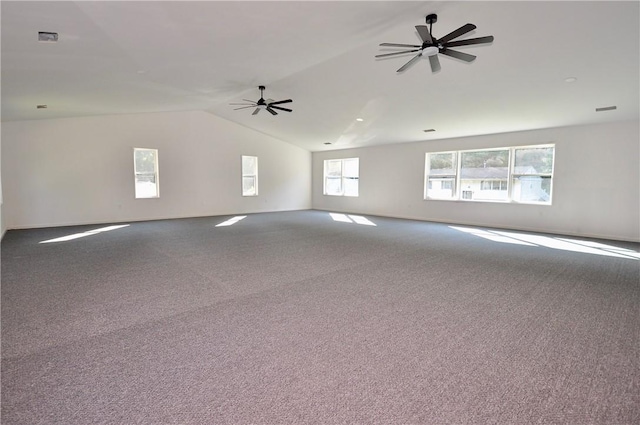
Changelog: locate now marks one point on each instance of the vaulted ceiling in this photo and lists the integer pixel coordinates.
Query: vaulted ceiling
(121, 57)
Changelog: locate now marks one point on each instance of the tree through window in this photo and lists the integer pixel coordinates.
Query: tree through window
(146, 173)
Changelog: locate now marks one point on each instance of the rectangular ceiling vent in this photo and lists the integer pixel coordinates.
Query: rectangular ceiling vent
(607, 108)
(47, 37)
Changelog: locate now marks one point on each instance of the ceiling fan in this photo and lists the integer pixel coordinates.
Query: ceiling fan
(269, 104)
(431, 46)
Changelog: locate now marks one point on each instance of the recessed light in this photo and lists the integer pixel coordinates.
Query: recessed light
(429, 130)
(47, 37)
(606, 108)
(41, 106)
(570, 80)
(359, 119)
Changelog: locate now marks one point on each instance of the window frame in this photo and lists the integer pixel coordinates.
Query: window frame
(155, 174)
(245, 174)
(451, 178)
(342, 178)
(513, 175)
(468, 193)
(465, 195)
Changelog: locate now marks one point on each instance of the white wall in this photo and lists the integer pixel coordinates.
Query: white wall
(596, 185)
(3, 227)
(80, 170)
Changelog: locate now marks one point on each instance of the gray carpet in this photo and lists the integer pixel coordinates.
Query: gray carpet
(294, 318)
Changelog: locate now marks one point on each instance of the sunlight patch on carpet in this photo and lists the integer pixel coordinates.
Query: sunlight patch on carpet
(85, 234)
(573, 245)
(357, 219)
(231, 221)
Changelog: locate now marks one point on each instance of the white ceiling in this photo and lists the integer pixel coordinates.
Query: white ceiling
(117, 57)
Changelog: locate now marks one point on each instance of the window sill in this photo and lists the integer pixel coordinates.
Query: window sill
(478, 201)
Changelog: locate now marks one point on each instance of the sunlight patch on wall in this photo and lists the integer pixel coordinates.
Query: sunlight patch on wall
(85, 234)
(357, 219)
(231, 221)
(586, 247)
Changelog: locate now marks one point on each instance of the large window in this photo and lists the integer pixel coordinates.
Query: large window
(517, 174)
(249, 175)
(145, 163)
(341, 177)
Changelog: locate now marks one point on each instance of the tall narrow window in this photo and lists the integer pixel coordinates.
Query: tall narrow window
(249, 175)
(532, 172)
(145, 163)
(341, 177)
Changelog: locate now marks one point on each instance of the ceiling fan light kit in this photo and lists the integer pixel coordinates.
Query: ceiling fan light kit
(431, 45)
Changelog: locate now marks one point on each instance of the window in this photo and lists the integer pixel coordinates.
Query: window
(145, 163)
(531, 178)
(341, 177)
(477, 166)
(249, 175)
(516, 174)
(441, 175)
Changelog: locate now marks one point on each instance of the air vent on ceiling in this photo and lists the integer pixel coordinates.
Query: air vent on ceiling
(429, 130)
(607, 108)
(47, 37)
(41, 106)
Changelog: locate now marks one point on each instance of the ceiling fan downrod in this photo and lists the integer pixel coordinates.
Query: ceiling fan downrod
(431, 19)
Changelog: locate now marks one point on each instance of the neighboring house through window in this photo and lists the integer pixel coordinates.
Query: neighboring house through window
(532, 174)
(441, 175)
(486, 165)
(518, 174)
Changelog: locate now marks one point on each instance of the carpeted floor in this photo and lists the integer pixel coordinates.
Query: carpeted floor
(308, 318)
